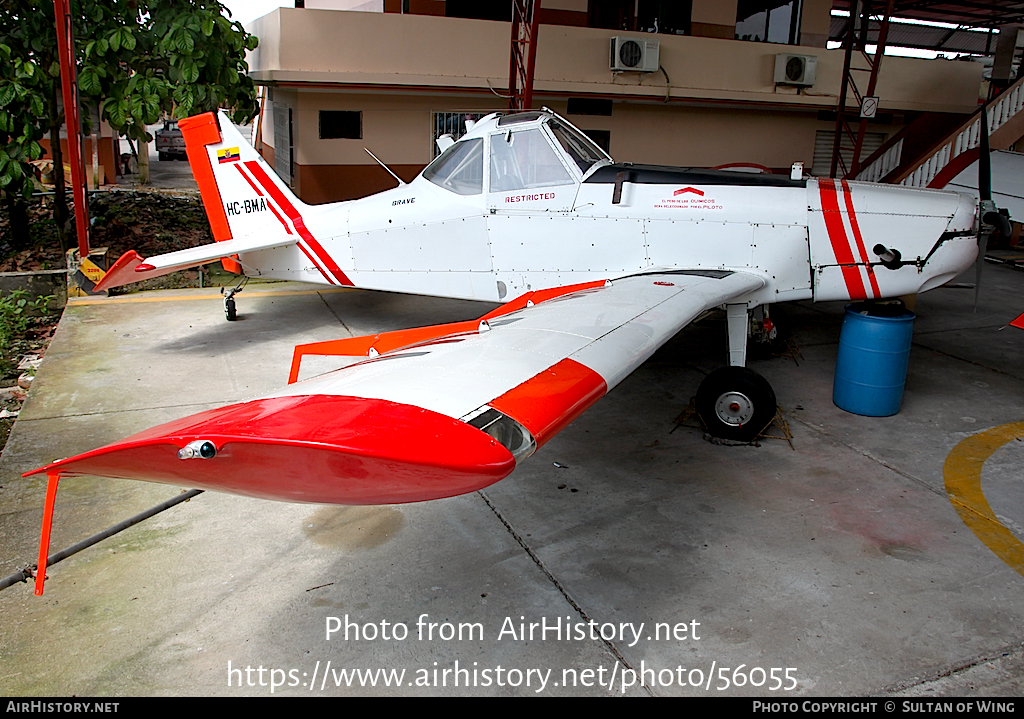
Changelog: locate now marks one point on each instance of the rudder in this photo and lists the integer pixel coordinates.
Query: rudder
(238, 188)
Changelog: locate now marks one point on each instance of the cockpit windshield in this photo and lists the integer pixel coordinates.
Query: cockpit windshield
(580, 148)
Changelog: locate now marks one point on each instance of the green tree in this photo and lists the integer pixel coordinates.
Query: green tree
(25, 87)
(136, 61)
(142, 58)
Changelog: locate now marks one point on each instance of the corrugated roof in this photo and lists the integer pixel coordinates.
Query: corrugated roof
(924, 37)
(977, 13)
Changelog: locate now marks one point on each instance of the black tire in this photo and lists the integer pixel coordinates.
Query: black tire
(229, 309)
(162, 156)
(735, 403)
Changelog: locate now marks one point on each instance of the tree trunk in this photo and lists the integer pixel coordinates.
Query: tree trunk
(143, 162)
(19, 235)
(61, 212)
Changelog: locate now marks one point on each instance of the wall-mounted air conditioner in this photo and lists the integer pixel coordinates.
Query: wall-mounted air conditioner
(634, 54)
(797, 70)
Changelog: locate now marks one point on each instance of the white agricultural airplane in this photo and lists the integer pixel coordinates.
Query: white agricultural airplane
(598, 264)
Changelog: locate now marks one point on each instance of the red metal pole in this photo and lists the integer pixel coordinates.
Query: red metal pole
(523, 55)
(531, 61)
(876, 67)
(514, 61)
(69, 92)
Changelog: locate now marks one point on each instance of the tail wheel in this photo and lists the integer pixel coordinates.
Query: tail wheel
(735, 403)
(229, 309)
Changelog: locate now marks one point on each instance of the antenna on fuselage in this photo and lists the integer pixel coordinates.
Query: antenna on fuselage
(401, 182)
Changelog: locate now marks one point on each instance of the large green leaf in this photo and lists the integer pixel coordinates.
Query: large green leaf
(89, 81)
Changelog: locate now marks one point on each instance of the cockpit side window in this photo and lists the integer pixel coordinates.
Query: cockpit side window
(583, 152)
(460, 168)
(524, 159)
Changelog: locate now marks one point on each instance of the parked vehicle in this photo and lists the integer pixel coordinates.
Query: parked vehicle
(170, 145)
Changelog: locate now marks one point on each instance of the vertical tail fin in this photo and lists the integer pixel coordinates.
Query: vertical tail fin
(241, 194)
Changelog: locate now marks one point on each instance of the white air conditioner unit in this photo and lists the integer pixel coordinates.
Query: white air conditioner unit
(634, 54)
(797, 70)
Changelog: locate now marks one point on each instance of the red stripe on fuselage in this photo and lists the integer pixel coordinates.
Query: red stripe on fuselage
(840, 242)
(288, 229)
(296, 219)
(860, 240)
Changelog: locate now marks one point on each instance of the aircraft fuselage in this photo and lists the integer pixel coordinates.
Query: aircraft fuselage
(494, 228)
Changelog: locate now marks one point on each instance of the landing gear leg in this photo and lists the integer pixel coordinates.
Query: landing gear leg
(739, 326)
(735, 402)
(229, 300)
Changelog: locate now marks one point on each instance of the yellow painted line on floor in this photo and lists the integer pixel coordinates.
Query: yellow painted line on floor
(962, 473)
(186, 298)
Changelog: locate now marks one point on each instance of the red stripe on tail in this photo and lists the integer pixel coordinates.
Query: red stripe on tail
(296, 219)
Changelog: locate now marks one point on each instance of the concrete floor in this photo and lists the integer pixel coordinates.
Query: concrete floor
(839, 567)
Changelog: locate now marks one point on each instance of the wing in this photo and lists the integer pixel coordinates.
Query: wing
(430, 413)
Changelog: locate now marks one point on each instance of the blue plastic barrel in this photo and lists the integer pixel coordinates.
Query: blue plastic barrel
(874, 350)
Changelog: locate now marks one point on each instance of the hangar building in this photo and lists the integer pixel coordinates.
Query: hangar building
(394, 79)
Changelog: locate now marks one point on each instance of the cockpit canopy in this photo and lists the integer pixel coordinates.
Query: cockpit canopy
(527, 150)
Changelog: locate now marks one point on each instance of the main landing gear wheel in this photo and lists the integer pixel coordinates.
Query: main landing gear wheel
(735, 403)
(229, 299)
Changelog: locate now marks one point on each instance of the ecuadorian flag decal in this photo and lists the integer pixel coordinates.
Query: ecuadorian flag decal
(228, 155)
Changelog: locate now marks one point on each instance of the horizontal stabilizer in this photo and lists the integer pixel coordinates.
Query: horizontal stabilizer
(132, 267)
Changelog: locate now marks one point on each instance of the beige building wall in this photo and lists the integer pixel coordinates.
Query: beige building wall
(399, 131)
(365, 50)
(815, 23)
(571, 5)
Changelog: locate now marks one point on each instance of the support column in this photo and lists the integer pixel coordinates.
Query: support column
(69, 91)
(523, 54)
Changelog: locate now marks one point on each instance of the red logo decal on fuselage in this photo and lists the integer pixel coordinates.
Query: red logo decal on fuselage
(694, 190)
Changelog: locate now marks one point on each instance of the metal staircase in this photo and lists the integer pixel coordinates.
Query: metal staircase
(523, 56)
(949, 157)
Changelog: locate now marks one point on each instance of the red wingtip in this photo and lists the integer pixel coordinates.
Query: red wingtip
(316, 448)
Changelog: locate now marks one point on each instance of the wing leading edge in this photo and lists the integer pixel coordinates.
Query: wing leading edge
(440, 412)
